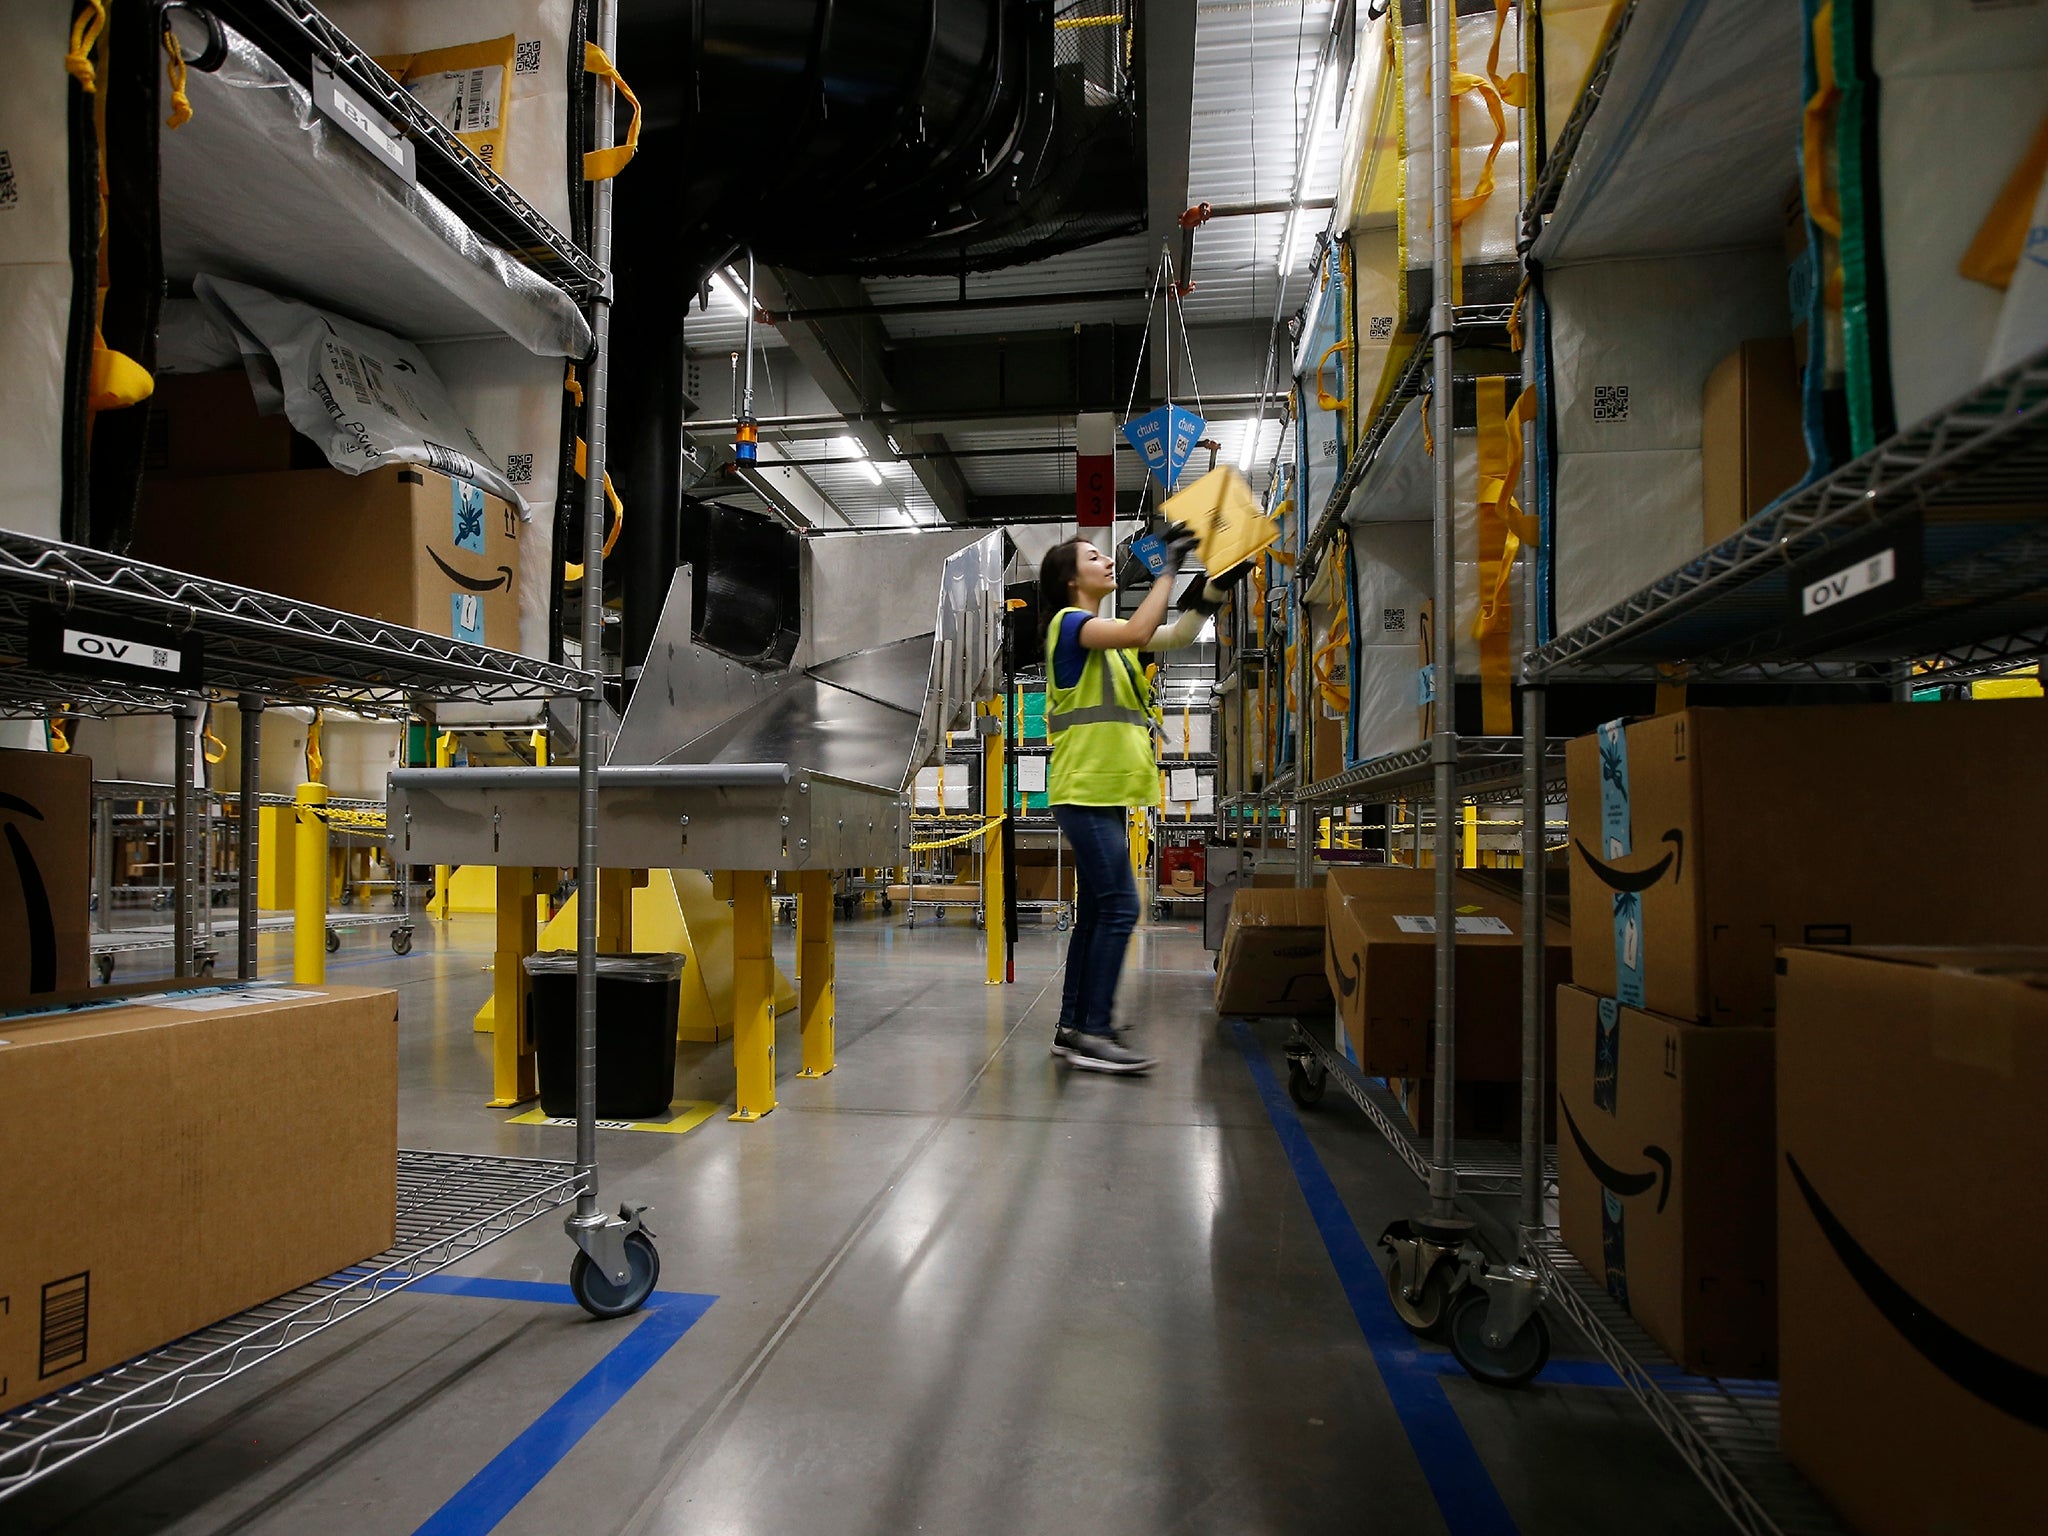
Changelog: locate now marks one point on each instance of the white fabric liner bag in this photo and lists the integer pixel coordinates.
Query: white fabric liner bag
(1393, 562)
(35, 268)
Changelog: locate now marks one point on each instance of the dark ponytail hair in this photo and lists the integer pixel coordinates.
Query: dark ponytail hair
(1056, 573)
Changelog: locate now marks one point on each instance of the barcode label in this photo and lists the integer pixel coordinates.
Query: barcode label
(1381, 328)
(461, 100)
(526, 60)
(446, 461)
(1610, 402)
(348, 368)
(1394, 621)
(65, 1310)
(519, 468)
(10, 190)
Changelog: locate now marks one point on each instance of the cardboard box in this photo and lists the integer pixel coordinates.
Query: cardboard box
(1272, 960)
(406, 546)
(1380, 963)
(1736, 831)
(46, 820)
(1910, 1092)
(1752, 440)
(1485, 1111)
(171, 1165)
(1328, 759)
(206, 424)
(1664, 1183)
(1039, 876)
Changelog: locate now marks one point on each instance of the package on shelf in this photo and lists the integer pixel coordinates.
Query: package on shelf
(1951, 116)
(46, 813)
(947, 787)
(407, 546)
(35, 274)
(466, 88)
(1189, 732)
(1752, 443)
(1272, 960)
(1664, 1177)
(368, 399)
(1703, 840)
(1632, 344)
(1043, 874)
(1380, 963)
(1911, 1388)
(91, 1100)
(208, 424)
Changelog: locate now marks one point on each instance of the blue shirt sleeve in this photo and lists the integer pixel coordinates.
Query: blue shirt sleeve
(1068, 654)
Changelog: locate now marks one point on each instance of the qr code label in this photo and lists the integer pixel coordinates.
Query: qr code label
(526, 61)
(1381, 328)
(1610, 402)
(519, 468)
(10, 190)
(1393, 621)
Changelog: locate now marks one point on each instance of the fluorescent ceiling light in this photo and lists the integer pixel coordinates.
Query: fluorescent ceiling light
(725, 286)
(852, 447)
(1248, 451)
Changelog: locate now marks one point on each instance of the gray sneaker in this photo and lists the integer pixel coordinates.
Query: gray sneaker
(1104, 1053)
(1064, 1040)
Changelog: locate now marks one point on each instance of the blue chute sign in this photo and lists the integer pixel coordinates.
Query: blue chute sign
(1164, 439)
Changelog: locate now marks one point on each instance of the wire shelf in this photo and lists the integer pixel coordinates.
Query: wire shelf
(254, 642)
(449, 1206)
(1488, 767)
(296, 34)
(1727, 1432)
(1960, 496)
(1483, 1167)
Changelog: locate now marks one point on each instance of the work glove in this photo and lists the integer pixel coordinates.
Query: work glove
(1179, 544)
(1203, 596)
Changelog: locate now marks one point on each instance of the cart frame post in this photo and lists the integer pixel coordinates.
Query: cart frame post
(248, 839)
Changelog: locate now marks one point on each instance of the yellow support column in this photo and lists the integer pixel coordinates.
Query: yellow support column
(753, 1002)
(512, 1058)
(615, 889)
(444, 757)
(992, 872)
(816, 960)
(309, 887)
(1471, 837)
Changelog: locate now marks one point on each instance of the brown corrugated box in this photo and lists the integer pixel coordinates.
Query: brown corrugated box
(1041, 877)
(46, 821)
(1272, 959)
(206, 424)
(169, 1165)
(1664, 1177)
(1752, 441)
(1380, 961)
(407, 546)
(1756, 828)
(1911, 1220)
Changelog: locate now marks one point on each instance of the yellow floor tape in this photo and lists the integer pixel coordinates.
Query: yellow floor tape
(685, 1115)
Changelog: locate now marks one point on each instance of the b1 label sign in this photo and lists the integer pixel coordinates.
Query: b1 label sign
(113, 649)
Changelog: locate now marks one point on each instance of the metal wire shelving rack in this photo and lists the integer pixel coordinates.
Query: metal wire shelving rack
(258, 648)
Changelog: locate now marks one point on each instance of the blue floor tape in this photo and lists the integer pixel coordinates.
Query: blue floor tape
(486, 1499)
(1464, 1490)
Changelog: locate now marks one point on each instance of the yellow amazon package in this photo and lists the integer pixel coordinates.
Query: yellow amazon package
(1223, 515)
(465, 88)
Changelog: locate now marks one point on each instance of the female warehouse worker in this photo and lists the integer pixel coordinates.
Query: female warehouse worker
(1099, 716)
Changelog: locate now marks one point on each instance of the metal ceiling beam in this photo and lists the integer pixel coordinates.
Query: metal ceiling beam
(1043, 507)
(782, 317)
(1167, 42)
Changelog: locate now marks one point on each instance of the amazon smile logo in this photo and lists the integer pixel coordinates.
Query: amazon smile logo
(1612, 1178)
(1983, 1373)
(40, 926)
(1346, 985)
(473, 583)
(1629, 881)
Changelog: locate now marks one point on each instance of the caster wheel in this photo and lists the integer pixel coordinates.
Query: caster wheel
(1424, 1315)
(1063, 925)
(888, 906)
(596, 1294)
(206, 966)
(1513, 1366)
(104, 964)
(980, 918)
(348, 897)
(1304, 1088)
(159, 901)
(401, 941)
(333, 941)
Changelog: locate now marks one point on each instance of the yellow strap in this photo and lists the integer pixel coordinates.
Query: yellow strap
(965, 837)
(603, 164)
(1428, 437)
(1462, 208)
(316, 759)
(1515, 337)
(1324, 398)
(1497, 547)
(85, 35)
(1514, 90)
(214, 749)
(59, 734)
(1994, 255)
(1822, 201)
(574, 387)
(573, 570)
(181, 104)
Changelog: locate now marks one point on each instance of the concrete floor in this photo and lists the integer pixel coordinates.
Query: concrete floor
(959, 1287)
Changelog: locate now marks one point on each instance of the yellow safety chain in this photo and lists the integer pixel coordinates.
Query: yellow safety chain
(965, 837)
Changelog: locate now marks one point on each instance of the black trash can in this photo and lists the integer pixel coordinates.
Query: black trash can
(637, 1000)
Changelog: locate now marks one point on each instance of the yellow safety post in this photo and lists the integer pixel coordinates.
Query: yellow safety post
(512, 1058)
(753, 1006)
(816, 960)
(1141, 854)
(1471, 837)
(992, 872)
(309, 888)
(444, 757)
(615, 889)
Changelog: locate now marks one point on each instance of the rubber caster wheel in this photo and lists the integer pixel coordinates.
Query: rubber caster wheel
(348, 897)
(1423, 1316)
(980, 920)
(594, 1290)
(104, 964)
(206, 966)
(1514, 1366)
(333, 941)
(888, 906)
(1305, 1090)
(401, 941)
(159, 901)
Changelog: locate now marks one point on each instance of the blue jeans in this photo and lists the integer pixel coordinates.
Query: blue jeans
(1106, 910)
